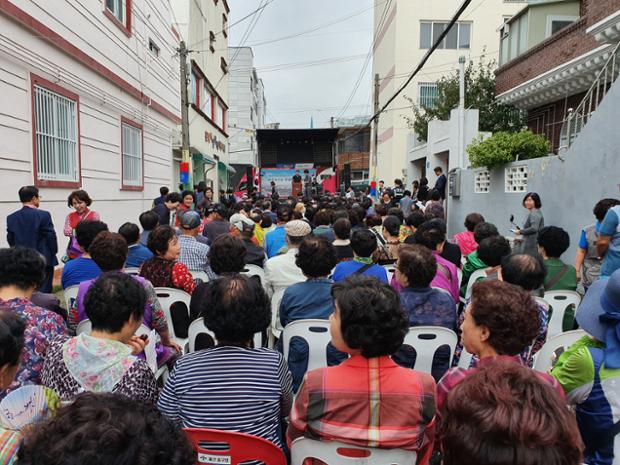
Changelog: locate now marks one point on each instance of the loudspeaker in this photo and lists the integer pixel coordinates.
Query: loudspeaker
(346, 175)
(249, 174)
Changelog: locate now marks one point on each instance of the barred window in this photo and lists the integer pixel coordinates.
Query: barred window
(427, 94)
(131, 148)
(516, 178)
(56, 136)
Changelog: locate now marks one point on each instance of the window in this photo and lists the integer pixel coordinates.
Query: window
(195, 88)
(482, 181)
(515, 178)
(153, 48)
(514, 38)
(427, 94)
(207, 101)
(557, 23)
(56, 131)
(459, 36)
(212, 41)
(223, 65)
(222, 117)
(120, 12)
(224, 25)
(131, 155)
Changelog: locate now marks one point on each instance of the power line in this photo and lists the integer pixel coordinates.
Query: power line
(316, 28)
(368, 56)
(303, 64)
(420, 65)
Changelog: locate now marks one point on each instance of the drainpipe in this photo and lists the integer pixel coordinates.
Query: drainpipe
(461, 144)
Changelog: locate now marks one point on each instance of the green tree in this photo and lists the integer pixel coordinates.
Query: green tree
(479, 94)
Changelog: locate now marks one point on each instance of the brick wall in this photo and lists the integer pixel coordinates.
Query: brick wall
(357, 160)
(569, 43)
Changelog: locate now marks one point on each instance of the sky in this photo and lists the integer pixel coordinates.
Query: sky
(341, 34)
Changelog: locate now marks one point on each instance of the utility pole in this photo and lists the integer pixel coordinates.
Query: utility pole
(186, 158)
(375, 130)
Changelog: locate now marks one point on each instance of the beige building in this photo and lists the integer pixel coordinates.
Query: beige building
(203, 24)
(404, 30)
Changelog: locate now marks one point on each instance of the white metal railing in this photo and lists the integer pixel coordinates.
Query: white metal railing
(578, 118)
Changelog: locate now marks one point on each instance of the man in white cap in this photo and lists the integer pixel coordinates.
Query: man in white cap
(243, 227)
(193, 253)
(281, 270)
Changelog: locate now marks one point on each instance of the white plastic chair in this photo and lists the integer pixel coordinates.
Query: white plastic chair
(475, 276)
(334, 453)
(459, 275)
(316, 334)
(132, 271)
(543, 359)
(202, 275)
(70, 294)
(276, 298)
(465, 359)
(85, 326)
(426, 340)
(254, 270)
(559, 301)
(390, 270)
(195, 329)
(168, 296)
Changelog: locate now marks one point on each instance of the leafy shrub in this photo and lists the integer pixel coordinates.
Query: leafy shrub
(505, 147)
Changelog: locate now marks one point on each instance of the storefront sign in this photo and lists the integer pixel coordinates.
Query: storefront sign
(215, 142)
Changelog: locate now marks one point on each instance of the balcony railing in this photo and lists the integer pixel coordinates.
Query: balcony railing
(579, 117)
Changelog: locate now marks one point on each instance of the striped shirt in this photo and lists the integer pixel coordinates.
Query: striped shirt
(230, 388)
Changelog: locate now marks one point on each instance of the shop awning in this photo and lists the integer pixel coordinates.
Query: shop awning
(198, 156)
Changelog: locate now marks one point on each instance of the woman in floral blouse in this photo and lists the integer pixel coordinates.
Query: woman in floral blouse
(106, 359)
(164, 269)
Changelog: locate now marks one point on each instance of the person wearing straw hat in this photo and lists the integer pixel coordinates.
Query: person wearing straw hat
(589, 372)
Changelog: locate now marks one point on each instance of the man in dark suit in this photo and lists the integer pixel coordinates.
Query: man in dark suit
(33, 228)
(167, 210)
(440, 184)
(163, 191)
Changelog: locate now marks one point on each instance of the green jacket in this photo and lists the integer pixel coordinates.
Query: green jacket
(568, 281)
(472, 264)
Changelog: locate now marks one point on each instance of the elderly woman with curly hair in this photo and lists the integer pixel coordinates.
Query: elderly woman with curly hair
(333, 403)
(165, 269)
(106, 429)
(501, 320)
(231, 386)
(106, 359)
(505, 414)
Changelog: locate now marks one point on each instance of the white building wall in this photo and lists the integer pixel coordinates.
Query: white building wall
(247, 107)
(397, 52)
(105, 69)
(195, 21)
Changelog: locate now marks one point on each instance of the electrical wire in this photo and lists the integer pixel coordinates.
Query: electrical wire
(418, 68)
(367, 62)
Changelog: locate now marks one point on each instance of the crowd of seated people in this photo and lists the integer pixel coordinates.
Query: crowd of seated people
(370, 272)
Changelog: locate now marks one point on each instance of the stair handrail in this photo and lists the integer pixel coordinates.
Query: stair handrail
(577, 118)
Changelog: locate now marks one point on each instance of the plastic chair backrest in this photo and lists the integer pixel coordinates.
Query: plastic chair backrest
(459, 275)
(276, 298)
(390, 270)
(70, 294)
(465, 359)
(85, 326)
(316, 334)
(132, 271)
(200, 275)
(337, 453)
(254, 270)
(168, 296)
(559, 301)
(231, 448)
(475, 276)
(426, 340)
(196, 328)
(542, 360)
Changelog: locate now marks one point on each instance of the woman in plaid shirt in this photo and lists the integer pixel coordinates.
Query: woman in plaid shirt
(367, 400)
